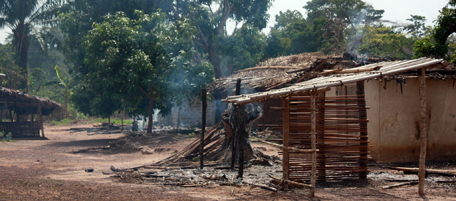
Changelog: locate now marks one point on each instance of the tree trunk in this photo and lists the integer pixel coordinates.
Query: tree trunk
(21, 49)
(109, 124)
(66, 101)
(151, 112)
(215, 60)
(122, 117)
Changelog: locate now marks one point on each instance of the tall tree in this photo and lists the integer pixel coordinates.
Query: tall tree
(78, 16)
(211, 17)
(137, 59)
(386, 42)
(23, 17)
(343, 21)
(436, 43)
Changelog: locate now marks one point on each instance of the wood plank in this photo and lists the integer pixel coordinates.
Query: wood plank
(423, 131)
(313, 143)
(363, 133)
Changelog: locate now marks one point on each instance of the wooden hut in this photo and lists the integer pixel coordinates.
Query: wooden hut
(29, 111)
(325, 137)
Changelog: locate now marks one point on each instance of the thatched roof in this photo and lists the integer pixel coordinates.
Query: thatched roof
(286, 71)
(270, 73)
(26, 103)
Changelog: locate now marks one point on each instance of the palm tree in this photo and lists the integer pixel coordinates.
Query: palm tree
(23, 17)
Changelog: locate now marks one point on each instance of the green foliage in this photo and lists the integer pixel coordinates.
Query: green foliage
(65, 122)
(435, 45)
(384, 42)
(143, 61)
(22, 16)
(285, 18)
(417, 28)
(15, 77)
(7, 138)
(293, 35)
(245, 48)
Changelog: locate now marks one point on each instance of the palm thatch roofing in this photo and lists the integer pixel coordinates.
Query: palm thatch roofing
(284, 71)
(24, 103)
(269, 73)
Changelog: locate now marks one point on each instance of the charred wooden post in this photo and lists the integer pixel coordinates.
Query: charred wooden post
(241, 135)
(40, 120)
(363, 133)
(286, 132)
(321, 155)
(203, 127)
(233, 142)
(423, 131)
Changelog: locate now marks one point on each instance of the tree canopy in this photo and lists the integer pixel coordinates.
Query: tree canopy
(435, 44)
(144, 58)
(23, 17)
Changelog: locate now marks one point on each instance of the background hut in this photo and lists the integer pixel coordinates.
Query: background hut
(23, 113)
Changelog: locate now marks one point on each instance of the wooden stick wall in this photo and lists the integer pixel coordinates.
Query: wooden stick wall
(336, 127)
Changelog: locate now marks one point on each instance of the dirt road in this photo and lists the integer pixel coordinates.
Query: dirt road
(37, 169)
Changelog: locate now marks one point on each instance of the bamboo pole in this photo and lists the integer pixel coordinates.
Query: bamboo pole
(286, 133)
(203, 127)
(423, 131)
(313, 133)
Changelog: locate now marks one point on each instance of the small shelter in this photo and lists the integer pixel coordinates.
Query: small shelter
(327, 136)
(23, 105)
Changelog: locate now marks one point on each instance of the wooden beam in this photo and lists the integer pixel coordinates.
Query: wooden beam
(203, 127)
(352, 70)
(270, 67)
(233, 141)
(241, 138)
(290, 148)
(423, 131)
(363, 134)
(286, 133)
(313, 133)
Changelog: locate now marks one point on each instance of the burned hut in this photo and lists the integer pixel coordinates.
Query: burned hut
(326, 134)
(24, 113)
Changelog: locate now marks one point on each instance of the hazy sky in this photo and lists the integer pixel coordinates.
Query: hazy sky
(395, 10)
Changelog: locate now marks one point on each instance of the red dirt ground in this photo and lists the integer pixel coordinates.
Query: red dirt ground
(37, 169)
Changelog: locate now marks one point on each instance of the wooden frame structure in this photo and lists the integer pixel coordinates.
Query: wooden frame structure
(23, 105)
(315, 111)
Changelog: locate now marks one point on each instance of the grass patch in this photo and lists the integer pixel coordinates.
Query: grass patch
(7, 138)
(63, 122)
(67, 121)
(115, 121)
